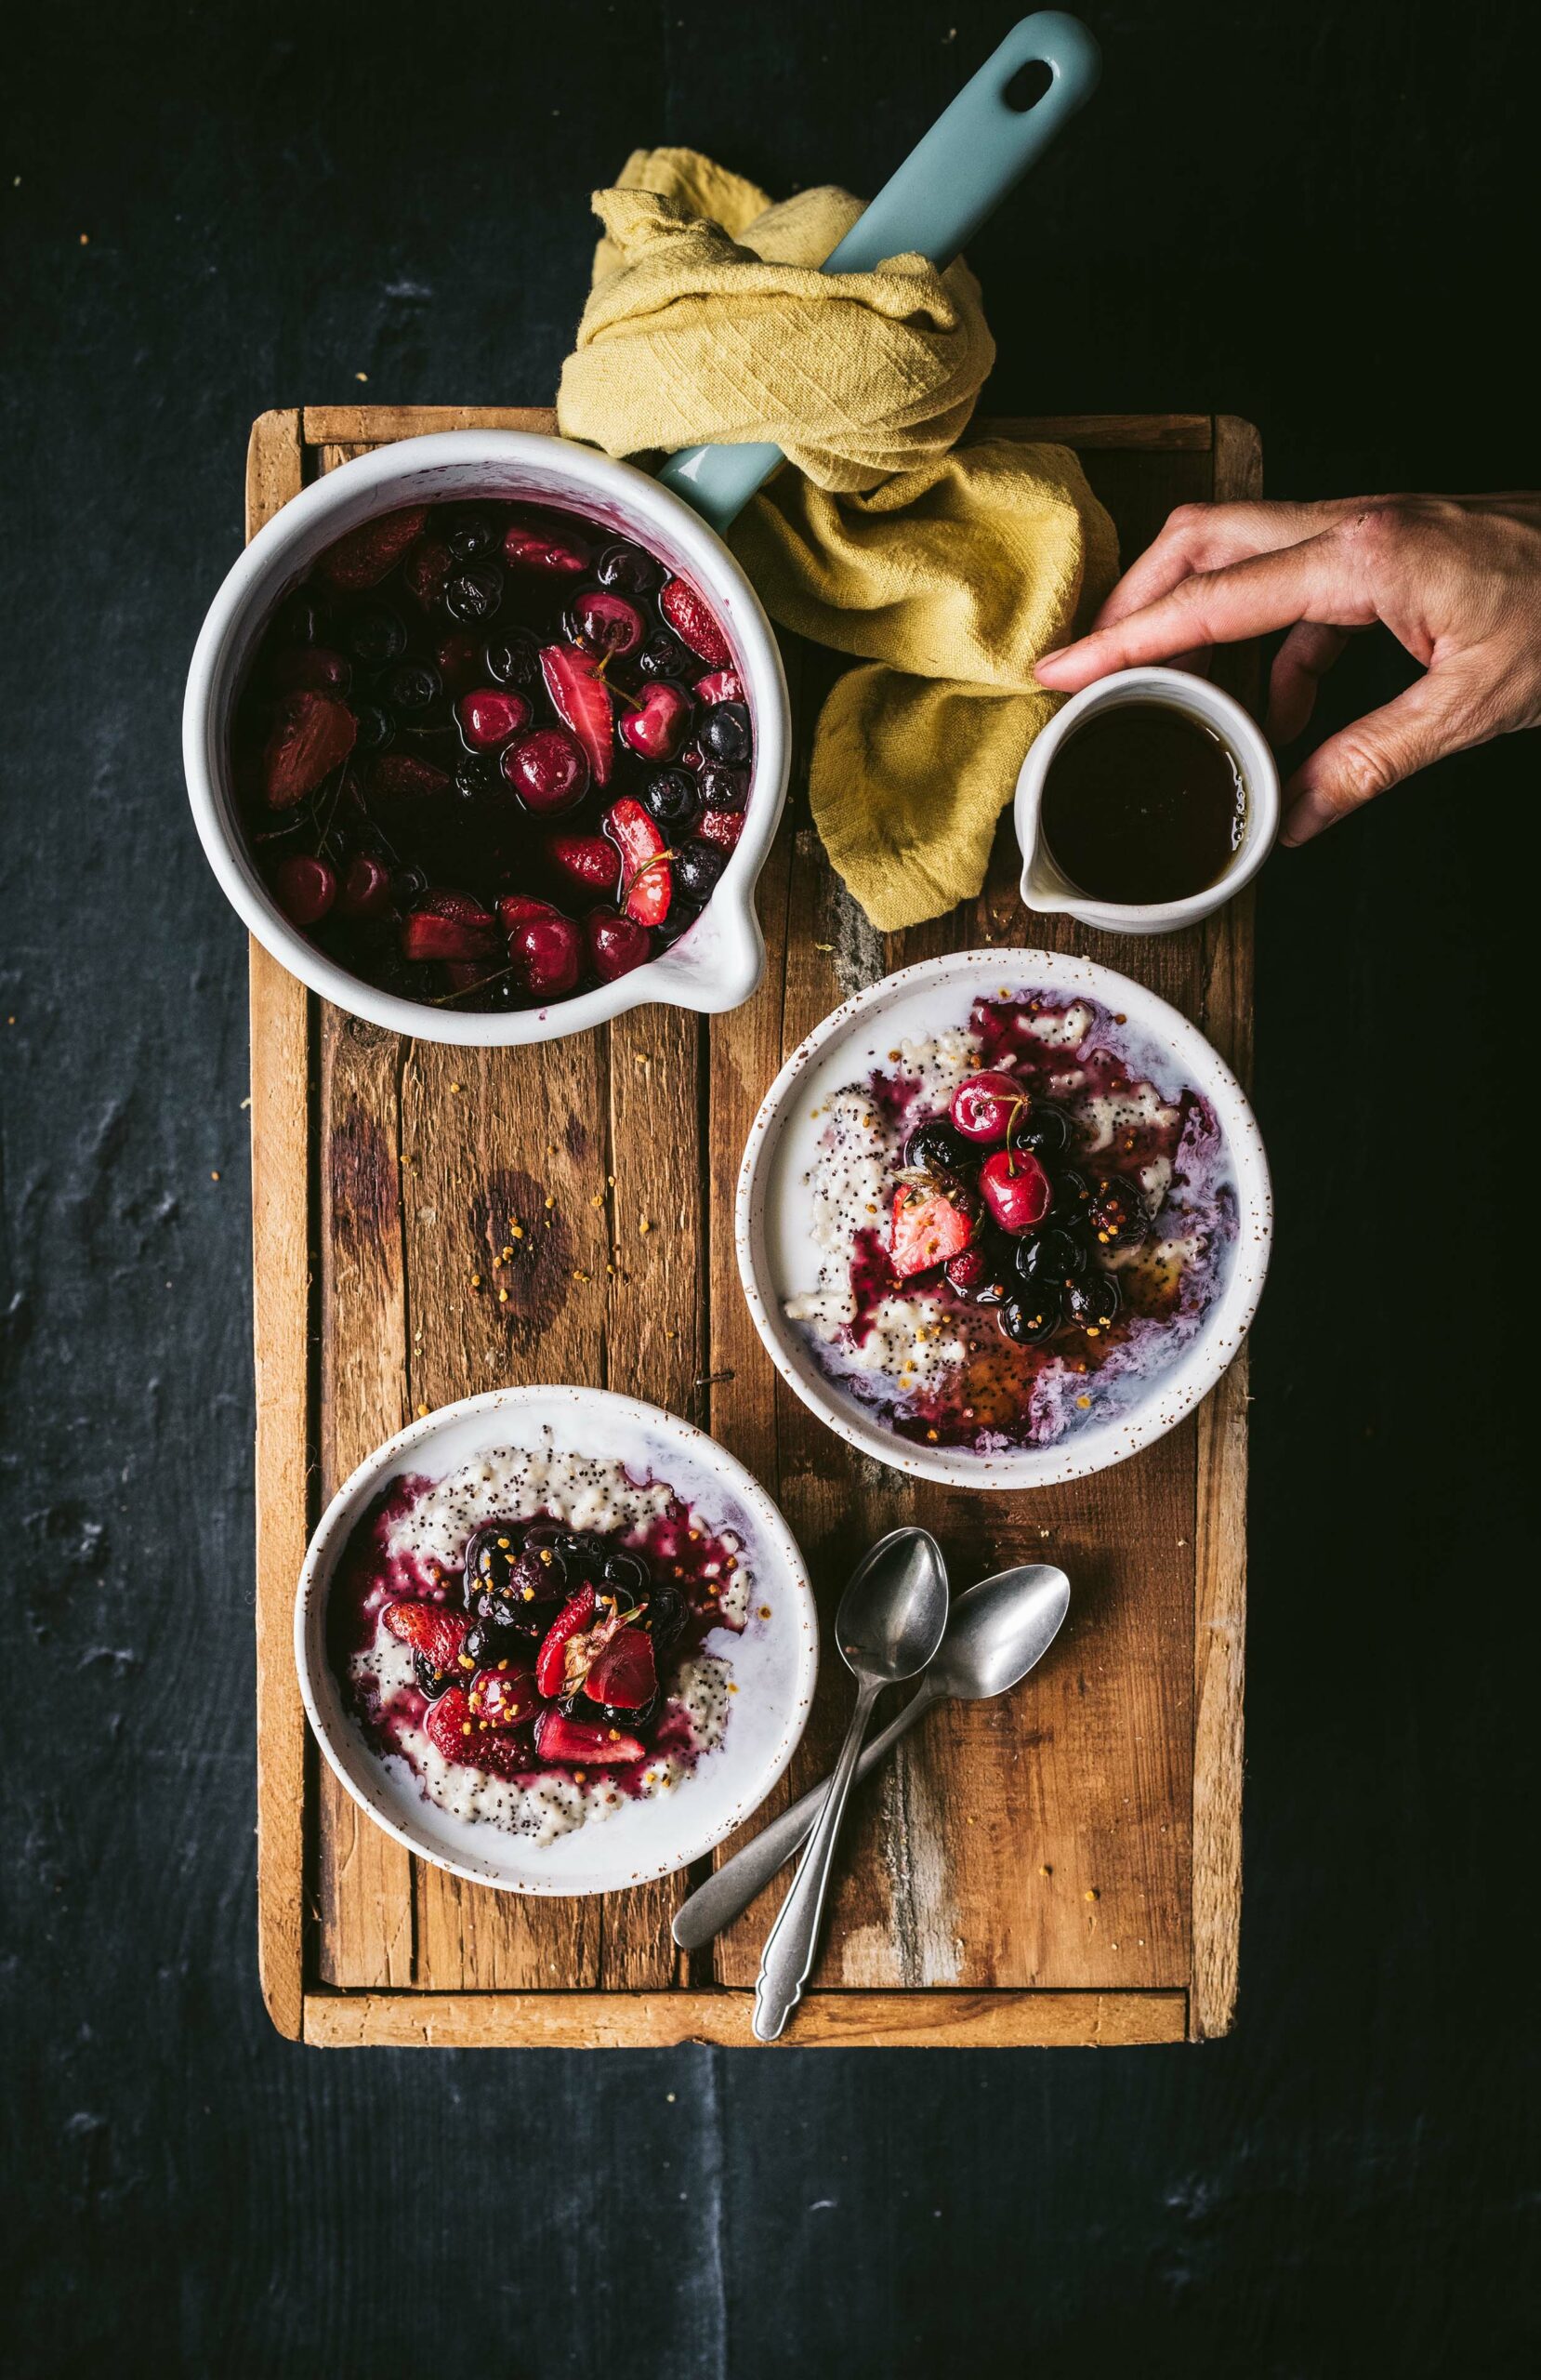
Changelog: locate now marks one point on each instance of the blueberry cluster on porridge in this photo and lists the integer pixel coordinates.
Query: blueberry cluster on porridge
(530, 1636)
(1014, 1224)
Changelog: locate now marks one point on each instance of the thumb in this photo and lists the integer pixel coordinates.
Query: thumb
(1432, 717)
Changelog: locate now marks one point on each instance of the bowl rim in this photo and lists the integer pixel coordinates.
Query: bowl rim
(330, 1535)
(1174, 1392)
(248, 589)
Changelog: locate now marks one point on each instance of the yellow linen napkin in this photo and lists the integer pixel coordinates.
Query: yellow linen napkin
(945, 570)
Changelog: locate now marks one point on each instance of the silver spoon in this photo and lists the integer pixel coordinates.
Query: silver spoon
(996, 1632)
(888, 1625)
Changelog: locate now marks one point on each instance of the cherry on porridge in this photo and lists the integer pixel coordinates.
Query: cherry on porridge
(488, 755)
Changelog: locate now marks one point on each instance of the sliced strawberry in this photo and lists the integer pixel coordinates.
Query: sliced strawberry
(502, 1696)
(590, 863)
(926, 1229)
(559, 1737)
(430, 1630)
(721, 827)
(551, 1660)
(368, 554)
(517, 908)
(454, 1732)
(719, 686)
(450, 1726)
(450, 925)
(582, 702)
(427, 571)
(402, 776)
(310, 734)
(692, 623)
(646, 872)
(542, 545)
(625, 1674)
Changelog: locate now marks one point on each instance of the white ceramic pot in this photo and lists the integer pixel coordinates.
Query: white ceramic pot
(1047, 888)
(714, 966)
(774, 1662)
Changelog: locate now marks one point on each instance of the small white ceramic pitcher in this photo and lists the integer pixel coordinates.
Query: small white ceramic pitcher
(1045, 887)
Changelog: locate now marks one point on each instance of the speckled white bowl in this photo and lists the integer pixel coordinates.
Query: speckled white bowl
(774, 1661)
(774, 1223)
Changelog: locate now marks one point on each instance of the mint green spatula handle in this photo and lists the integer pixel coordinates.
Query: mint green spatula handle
(946, 188)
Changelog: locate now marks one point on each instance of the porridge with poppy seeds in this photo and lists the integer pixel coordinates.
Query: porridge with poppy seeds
(539, 1636)
(1017, 1224)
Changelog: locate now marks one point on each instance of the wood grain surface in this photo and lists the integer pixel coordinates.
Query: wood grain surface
(1062, 1865)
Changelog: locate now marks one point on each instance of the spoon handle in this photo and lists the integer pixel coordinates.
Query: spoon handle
(729, 1890)
(788, 1956)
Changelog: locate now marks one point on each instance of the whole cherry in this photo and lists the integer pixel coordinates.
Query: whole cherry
(548, 770)
(306, 889)
(615, 945)
(983, 1106)
(1015, 1188)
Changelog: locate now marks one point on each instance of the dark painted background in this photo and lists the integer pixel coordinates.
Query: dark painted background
(1317, 216)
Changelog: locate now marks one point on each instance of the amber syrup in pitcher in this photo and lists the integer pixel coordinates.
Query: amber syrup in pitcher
(1143, 803)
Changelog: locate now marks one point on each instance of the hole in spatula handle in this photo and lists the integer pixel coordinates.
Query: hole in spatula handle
(1027, 85)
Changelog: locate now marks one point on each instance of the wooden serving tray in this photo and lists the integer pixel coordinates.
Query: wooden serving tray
(1061, 1866)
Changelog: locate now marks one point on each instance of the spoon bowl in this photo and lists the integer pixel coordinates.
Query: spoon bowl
(894, 1608)
(999, 1630)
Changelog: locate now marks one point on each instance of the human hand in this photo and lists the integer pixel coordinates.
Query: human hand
(1456, 579)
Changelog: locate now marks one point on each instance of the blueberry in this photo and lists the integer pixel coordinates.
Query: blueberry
(301, 620)
(412, 688)
(670, 796)
(375, 727)
(1050, 1257)
(1045, 1128)
(513, 659)
(663, 656)
(725, 734)
(1093, 1303)
(481, 1640)
(491, 1552)
(433, 1681)
(472, 537)
(937, 1146)
(1117, 1212)
(665, 1614)
(723, 788)
(474, 595)
(375, 635)
(475, 779)
(1032, 1319)
(627, 570)
(407, 886)
(540, 1576)
(1072, 1197)
(624, 1571)
(697, 868)
(683, 915)
(615, 1715)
